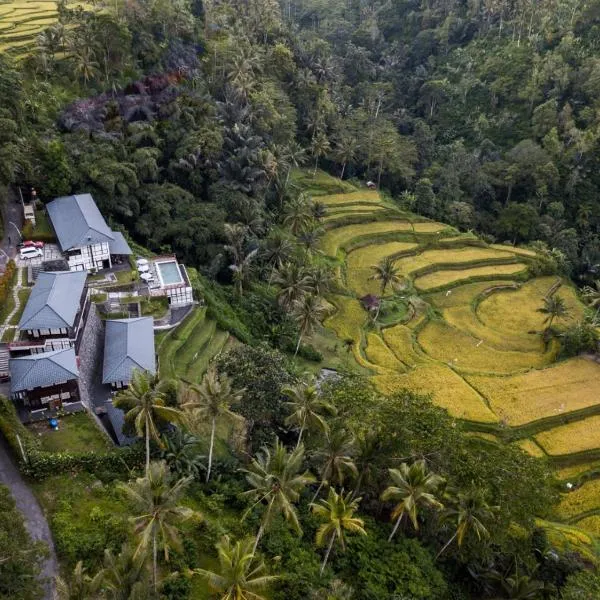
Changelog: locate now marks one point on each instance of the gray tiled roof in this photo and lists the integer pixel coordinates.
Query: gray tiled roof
(128, 345)
(119, 244)
(54, 300)
(78, 222)
(42, 370)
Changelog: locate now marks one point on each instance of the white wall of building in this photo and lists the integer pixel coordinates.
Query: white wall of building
(89, 258)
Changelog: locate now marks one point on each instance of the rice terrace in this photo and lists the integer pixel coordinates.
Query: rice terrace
(22, 21)
(464, 325)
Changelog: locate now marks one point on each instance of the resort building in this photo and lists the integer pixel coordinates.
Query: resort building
(169, 278)
(85, 239)
(55, 313)
(128, 346)
(45, 380)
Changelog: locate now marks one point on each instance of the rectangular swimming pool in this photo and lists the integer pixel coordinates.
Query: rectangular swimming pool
(169, 273)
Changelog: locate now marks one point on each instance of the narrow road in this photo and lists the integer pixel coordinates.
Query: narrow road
(13, 222)
(34, 517)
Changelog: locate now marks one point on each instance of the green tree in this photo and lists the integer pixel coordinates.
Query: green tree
(413, 487)
(277, 482)
(468, 511)
(335, 457)
(319, 147)
(80, 585)
(308, 312)
(337, 512)
(20, 557)
(307, 408)
(124, 577)
(386, 273)
(584, 585)
(345, 151)
(212, 400)
(156, 501)
(298, 215)
(240, 575)
(144, 403)
(554, 308)
(425, 199)
(293, 281)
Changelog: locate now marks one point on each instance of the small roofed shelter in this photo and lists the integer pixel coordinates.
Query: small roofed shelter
(45, 380)
(128, 346)
(371, 302)
(55, 306)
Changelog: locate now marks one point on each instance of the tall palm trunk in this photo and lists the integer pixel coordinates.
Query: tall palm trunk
(447, 544)
(154, 562)
(301, 431)
(147, 444)
(358, 484)
(316, 167)
(298, 345)
(259, 534)
(397, 524)
(317, 492)
(323, 565)
(343, 169)
(210, 450)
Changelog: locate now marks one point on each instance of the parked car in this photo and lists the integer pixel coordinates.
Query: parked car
(30, 252)
(31, 244)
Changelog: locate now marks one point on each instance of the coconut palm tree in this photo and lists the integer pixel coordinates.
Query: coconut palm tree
(241, 270)
(298, 216)
(309, 239)
(277, 482)
(156, 499)
(212, 400)
(368, 446)
(293, 281)
(240, 576)
(319, 147)
(144, 403)
(338, 513)
(386, 273)
(413, 487)
(335, 457)
(469, 511)
(307, 408)
(318, 210)
(345, 151)
(276, 249)
(124, 576)
(80, 586)
(320, 279)
(182, 454)
(554, 308)
(308, 312)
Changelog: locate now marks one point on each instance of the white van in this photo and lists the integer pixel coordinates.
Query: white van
(30, 252)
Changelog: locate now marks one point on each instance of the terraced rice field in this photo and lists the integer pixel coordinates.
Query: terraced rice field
(471, 338)
(554, 391)
(574, 437)
(467, 353)
(360, 262)
(517, 311)
(186, 351)
(21, 21)
(443, 278)
(581, 500)
(449, 256)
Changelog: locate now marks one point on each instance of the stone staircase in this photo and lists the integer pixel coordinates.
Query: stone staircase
(4, 355)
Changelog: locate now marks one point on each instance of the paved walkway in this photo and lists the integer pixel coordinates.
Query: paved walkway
(34, 517)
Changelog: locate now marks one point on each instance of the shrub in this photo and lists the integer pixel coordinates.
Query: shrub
(577, 339)
(42, 464)
(7, 280)
(18, 570)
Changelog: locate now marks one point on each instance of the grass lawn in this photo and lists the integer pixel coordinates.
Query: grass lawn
(7, 307)
(76, 433)
(42, 225)
(23, 294)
